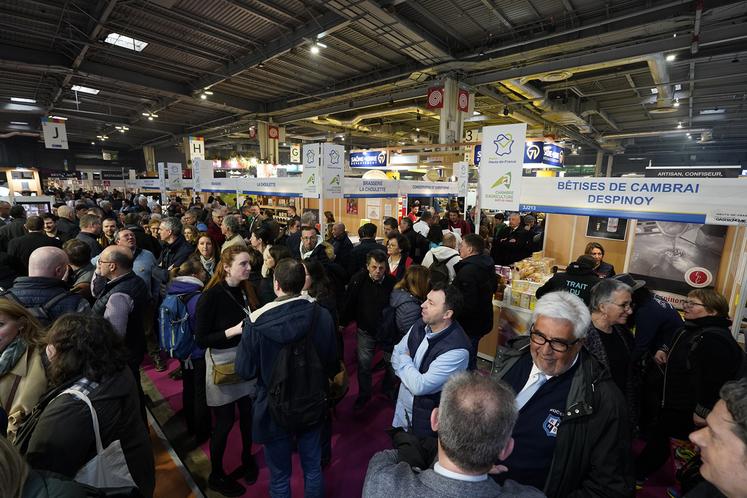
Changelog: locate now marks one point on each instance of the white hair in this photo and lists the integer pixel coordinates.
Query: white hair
(562, 305)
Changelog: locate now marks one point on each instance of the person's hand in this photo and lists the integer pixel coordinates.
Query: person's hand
(660, 357)
(235, 330)
(699, 421)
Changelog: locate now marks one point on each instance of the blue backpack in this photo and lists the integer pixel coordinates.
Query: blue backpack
(177, 337)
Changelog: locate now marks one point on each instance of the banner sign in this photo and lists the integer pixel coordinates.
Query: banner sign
(64, 175)
(694, 171)
(461, 171)
(478, 155)
(223, 185)
(153, 184)
(196, 148)
(310, 155)
(534, 152)
(501, 166)
(281, 187)
(55, 135)
(174, 181)
(712, 201)
(368, 159)
(360, 188)
(428, 189)
(553, 156)
(435, 97)
(333, 157)
(295, 153)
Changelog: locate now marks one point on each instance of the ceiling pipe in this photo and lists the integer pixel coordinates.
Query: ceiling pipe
(585, 114)
(658, 133)
(19, 134)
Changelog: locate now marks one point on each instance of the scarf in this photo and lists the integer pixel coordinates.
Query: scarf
(10, 356)
(208, 264)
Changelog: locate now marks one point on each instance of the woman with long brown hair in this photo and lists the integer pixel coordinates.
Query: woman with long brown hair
(227, 300)
(22, 376)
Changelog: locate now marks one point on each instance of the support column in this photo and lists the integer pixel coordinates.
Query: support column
(452, 120)
(598, 165)
(610, 160)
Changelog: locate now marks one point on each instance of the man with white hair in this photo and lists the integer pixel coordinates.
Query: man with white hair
(572, 435)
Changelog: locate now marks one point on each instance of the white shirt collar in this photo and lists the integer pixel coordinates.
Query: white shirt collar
(536, 370)
(438, 469)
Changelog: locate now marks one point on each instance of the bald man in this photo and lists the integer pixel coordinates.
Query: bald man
(342, 245)
(122, 300)
(45, 286)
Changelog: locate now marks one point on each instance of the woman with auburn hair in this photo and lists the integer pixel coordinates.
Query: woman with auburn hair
(22, 377)
(206, 253)
(702, 356)
(226, 301)
(86, 355)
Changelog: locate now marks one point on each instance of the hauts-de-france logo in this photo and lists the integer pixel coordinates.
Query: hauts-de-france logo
(504, 180)
(503, 143)
(310, 156)
(334, 157)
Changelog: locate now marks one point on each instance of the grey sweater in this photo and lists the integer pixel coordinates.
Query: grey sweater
(387, 478)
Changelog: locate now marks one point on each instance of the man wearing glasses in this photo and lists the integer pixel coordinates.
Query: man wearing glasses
(572, 435)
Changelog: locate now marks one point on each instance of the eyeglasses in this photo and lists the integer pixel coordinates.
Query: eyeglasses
(625, 306)
(692, 303)
(557, 345)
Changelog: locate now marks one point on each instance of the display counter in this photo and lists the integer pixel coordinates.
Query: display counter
(508, 322)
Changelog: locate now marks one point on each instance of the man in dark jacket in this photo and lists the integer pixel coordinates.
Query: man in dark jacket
(287, 319)
(175, 250)
(48, 267)
(514, 245)
(367, 236)
(16, 227)
(368, 294)
(418, 244)
(20, 248)
(572, 435)
(475, 277)
(578, 278)
(67, 228)
(122, 300)
(90, 231)
(341, 244)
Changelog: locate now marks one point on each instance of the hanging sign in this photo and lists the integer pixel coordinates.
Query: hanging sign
(333, 156)
(435, 97)
(273, 132)
(310, 154)
(174, 181)
(428, 189)
(553, 156)
(362, 188)
(281, 187)
(461, 171)
(694, 171)
(501, 163)
(252, 132)
(369, 159)
(534, 152)
(222, 185)
(295, 153)
(55, 135)
(202, 173)
(196, 148)
(711, 201)
(463, 100)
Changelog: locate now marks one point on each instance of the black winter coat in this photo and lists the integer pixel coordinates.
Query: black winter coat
(513, 246)
(20, 248)
(475, 277)
(592, 455)
(8, 232)
(359, 252)
(576, 280)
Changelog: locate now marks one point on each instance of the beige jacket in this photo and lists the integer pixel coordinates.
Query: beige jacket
(32, 384)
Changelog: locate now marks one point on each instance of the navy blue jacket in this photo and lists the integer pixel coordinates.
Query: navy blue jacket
(36, 291)
(451, 338)
(268, 330)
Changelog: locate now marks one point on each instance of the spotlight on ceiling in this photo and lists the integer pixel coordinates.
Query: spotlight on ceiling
(506, 111)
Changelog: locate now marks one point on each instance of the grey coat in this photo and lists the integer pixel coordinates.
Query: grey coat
(387, 478)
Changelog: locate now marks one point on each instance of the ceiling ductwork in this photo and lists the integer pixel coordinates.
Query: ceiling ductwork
(658, 66)
(354, 123)
(658, 133)
(19, 134)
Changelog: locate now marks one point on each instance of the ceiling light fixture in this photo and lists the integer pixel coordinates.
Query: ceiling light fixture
(314, 49)
(20, 123)
(676, 103)
(58, 117)
(125, 42)
(506, 112)
(679, 125)
(476, 113)
(417, 129)
(671, 57)
(85, 89)
(23, 100)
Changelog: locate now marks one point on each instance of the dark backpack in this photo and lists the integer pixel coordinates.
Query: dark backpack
(421, 248)
(439, 270)
(387, 333)
(297, 390)
(177, 337)
(41, 312)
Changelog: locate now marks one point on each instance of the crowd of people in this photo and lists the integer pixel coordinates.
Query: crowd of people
(256, 312)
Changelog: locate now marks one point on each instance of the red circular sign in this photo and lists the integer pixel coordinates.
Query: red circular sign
(463, 100)
(435, 97)
(273, 132)
(698, 277)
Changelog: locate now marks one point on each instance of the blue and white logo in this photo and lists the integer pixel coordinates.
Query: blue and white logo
(310, 156)
(533, 152)
(551, 425)
(334, 157)
(368, 159)
(478, 155)
(503, 143)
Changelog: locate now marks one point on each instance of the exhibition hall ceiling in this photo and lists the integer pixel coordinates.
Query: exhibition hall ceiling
(641, 80)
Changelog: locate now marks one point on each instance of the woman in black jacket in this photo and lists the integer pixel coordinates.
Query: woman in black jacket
(703, 355)
(225, 302)
(87, 355)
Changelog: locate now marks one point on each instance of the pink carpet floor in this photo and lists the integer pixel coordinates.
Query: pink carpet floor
(355, 438)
